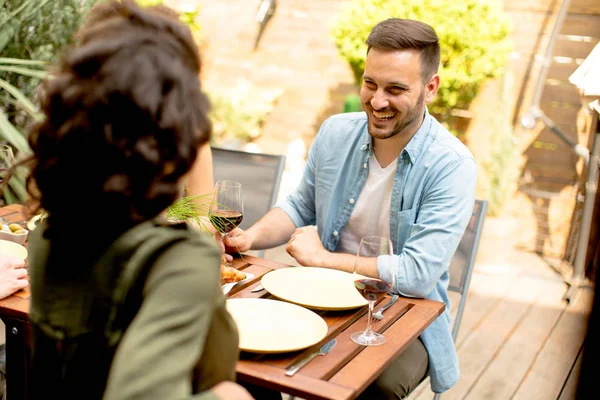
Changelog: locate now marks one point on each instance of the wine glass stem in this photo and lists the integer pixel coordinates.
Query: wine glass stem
(227, 263)
(369, 331)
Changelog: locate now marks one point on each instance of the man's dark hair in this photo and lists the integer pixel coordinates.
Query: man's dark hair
(124, 117)
(403, 34)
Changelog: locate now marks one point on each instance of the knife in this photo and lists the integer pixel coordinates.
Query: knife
(326, 348)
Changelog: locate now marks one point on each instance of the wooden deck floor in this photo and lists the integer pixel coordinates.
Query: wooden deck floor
(518, 339)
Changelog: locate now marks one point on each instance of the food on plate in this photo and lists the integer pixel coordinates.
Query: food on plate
(229, 275)
(14, 228)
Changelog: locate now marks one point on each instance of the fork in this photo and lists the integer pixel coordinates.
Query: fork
(379, 314)
(258, 288)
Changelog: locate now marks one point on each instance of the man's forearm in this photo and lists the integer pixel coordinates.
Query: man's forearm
(272, 230)
(345, 262)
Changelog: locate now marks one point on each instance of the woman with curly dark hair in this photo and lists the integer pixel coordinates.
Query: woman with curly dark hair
(123, 305)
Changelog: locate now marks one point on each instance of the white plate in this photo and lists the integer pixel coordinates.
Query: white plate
(13, 249)
(228, 286)
(316, 288)
(273, 326)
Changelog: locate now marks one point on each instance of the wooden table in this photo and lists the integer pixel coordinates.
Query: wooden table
(342, 374)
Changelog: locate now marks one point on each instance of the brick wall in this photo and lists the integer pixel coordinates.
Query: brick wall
(296, 55)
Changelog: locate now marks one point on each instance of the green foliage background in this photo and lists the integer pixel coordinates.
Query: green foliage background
(475, 43)
(32, 33)
(473, 37)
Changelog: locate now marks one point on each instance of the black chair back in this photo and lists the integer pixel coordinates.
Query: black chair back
(260, 175)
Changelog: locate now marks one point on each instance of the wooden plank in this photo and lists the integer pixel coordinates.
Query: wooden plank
(561, 113)
(565, 93)
(562, 71)
(297, 385)
(346, 349)
(580, 24)
(530, 23)
(572, 49)
(499, 382)
(569, 390)
(261, 261)
(552, 365)
(369, 363)
(576, 6)
(483, 344)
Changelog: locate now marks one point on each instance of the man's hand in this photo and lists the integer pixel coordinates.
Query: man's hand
(306, 247)
(13, 275)
(238, 241)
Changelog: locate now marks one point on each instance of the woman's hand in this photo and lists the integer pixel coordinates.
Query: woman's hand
(13, 275)
(231, 391)
(219, 240)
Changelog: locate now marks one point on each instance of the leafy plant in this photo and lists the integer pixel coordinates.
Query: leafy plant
(15, 191)
(473, 38)
(194, 210)
(187, 14)
(501, 171)
(190, 209)
(239, 113)
(32, 33)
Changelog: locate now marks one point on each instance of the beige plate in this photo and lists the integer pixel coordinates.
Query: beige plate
(13, 249)
(317, 288)
(272, 326)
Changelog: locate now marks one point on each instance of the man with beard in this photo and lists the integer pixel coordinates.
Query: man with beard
(391, 171)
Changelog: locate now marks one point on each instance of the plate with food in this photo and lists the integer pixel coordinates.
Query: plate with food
(231, 277)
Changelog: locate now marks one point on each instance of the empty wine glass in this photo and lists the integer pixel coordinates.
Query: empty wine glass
(372, 289)
(227, 209)
(7, 160)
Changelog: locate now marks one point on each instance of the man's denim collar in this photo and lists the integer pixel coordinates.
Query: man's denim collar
(414, 146)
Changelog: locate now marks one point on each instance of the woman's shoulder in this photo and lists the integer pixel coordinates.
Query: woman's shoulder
(194, 258)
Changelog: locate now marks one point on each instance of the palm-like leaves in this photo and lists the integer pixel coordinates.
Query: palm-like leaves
(11, 96)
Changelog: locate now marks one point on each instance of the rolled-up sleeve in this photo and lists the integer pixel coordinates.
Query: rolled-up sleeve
(442, 218)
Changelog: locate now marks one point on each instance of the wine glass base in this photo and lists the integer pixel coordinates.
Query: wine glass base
(375, 339)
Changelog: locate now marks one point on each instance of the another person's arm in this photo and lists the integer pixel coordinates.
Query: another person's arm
(200, 182)
(272, 230)
(13, 275)
(278, 225)
(200, 178)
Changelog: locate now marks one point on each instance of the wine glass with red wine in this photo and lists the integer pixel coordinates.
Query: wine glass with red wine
(227, 209)
(372, 289)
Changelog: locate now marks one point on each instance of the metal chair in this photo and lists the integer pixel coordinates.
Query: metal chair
(463, 263)
(260, 175)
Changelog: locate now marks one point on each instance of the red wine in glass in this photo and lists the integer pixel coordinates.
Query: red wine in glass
(225, 220)
(227, 208)
(372, 289)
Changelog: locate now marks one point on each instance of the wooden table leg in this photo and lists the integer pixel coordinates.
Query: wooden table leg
(17, 358)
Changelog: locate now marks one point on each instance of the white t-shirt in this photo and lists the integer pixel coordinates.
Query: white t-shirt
(371, 214)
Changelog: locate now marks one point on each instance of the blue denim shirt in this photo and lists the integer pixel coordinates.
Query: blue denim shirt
(432, 200)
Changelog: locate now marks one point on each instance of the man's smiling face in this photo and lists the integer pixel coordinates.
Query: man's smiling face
(393, 94)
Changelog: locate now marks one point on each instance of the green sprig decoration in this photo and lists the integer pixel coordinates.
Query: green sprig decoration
(191, 209)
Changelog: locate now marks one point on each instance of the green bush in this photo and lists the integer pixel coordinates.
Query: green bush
(240, 112)
(473, 38)
(32, 32)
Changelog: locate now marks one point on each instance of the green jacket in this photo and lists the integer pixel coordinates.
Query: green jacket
(145, 319)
